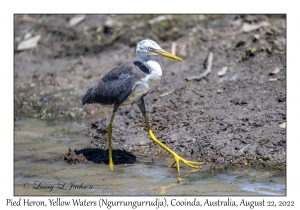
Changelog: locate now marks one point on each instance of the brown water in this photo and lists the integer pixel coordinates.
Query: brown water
(39, 170)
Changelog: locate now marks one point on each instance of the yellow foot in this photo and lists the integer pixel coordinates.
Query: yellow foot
(177, 158)
(111, 164)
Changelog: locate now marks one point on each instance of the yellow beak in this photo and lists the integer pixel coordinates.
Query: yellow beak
(169, 55)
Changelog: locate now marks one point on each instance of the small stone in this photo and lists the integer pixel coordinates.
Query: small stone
(109, 23)
(276, 71)
(256, 36)
(223, 71)
(76, 20)
(249, 27)
(219, 91)
(72, 115)
(158, 19)
(29, 43)
(252, 27)
(282, 125)
(272, 79)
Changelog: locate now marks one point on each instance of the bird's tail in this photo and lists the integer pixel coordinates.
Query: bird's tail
(87, 96)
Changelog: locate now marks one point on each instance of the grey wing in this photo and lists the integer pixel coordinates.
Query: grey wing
(110, 92)
(114, 87)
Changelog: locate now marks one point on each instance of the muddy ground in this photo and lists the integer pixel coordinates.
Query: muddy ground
(235, 119)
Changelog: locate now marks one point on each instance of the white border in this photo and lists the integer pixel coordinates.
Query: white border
(154, 6)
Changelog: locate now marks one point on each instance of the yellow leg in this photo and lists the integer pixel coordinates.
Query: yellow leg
(177, 158)
(109, 134)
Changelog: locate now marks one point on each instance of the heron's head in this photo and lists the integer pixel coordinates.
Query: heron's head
(148, 47)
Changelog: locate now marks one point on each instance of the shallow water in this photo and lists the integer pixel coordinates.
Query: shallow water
(39, 170)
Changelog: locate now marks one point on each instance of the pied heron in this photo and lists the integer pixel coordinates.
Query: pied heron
(129, 83)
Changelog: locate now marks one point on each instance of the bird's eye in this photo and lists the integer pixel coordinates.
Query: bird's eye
(150, 48)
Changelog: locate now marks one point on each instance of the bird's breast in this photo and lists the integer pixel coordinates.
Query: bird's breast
(150, 81)
(143, 86)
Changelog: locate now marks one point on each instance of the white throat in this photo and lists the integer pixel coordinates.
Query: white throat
(153, 66)
(147, 83)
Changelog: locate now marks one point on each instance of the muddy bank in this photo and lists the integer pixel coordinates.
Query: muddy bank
(233, 118)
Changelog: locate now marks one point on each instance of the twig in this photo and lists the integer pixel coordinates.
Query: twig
(241, 150)
(207, 71)
(28, 19)
(165, 94)
(173, 48)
